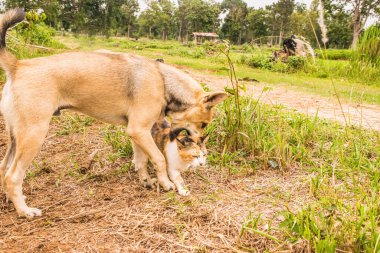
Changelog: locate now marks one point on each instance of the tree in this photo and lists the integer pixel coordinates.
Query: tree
(280, 15)
(69, 14)
(147, 21)
(50, 7)
(129, 9)
(197, 16)
(303, 22)
(258, 23)
(234, 23)
(339, 25)
(360, 11)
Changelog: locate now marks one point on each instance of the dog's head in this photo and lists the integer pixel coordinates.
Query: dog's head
(196, 117)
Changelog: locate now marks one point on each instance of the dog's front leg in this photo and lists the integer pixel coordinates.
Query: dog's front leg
(144, 140)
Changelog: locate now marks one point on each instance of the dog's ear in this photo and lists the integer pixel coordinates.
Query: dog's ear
(213, 98)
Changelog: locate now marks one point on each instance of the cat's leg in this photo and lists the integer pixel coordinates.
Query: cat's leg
(176, 178)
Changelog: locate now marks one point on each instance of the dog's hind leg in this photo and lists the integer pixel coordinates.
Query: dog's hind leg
(9, 154)
(28, 142)
(140, 160)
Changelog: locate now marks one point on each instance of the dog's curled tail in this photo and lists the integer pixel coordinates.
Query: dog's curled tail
(7, 20)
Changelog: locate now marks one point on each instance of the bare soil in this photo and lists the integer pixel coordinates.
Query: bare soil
(103, 209)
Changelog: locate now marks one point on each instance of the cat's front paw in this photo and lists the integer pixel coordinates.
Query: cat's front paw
(183, 192)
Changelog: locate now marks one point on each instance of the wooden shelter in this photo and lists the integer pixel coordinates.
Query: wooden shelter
(199, 37)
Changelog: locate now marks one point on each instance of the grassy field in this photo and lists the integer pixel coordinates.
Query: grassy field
(277, 181)
(313, 78)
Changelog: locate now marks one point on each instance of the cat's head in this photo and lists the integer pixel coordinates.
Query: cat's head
(192, 153)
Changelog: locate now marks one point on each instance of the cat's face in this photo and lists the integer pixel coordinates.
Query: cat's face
(191, 153)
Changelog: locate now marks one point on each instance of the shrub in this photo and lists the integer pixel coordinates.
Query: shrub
(296, 62)
(196, 53)
(366, 58)
(335, 54)
(260, 61)
(35, 31)
(247, 48)
(279, 66)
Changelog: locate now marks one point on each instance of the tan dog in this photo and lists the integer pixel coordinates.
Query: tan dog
(115, 88)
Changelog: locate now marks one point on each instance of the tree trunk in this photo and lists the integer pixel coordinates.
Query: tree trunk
(129, 31)
(239, 39)
(281, 34)
(357, 25)
(150, 32)
(180, 32)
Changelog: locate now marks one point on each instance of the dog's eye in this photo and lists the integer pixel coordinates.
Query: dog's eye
(203, 125)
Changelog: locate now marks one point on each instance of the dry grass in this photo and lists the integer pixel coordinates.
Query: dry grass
(104, 209)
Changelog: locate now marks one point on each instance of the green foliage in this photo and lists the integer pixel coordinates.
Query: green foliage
(366, 57)
(343, 215)
(119, 141)
(70, 124)
(368, 48)
(339, 27)
(233, 25)
(335, 54)
(313, 228)
(258, 23)
(288, 138)
(261, 61)
(196, 53)
(35, 31)
(296, 62)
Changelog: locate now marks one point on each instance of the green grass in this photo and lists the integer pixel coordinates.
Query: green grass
(344, 212)
(196, 58)
(72, 123)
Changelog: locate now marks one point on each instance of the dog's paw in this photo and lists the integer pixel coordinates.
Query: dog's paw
(148, 182)
(183, 192)
(167, 185)
(29, 212)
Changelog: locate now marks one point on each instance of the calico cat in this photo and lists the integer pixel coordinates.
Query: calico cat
(180, 151)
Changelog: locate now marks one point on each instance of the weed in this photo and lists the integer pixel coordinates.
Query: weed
(73, 123)
(119, 141)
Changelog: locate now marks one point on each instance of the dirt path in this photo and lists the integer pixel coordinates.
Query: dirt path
(365, 115)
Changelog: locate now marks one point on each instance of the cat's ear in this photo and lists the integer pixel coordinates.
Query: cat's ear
(185, 141)
(174, 133)
(181, 141)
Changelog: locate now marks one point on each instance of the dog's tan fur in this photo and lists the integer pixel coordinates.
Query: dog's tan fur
(115, 88)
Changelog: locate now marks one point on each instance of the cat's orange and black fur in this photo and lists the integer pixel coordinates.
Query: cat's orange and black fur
(180, 150)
